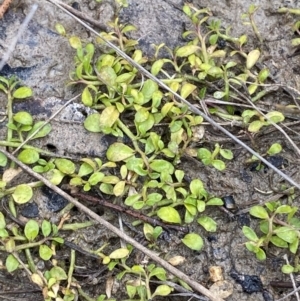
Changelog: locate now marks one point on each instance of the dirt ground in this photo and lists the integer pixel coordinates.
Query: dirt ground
(43, 59)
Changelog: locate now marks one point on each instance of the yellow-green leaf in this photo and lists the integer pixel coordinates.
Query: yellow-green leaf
(169, 214)
(119, 152)
(187, 89)
(186, 50)
(252, 58)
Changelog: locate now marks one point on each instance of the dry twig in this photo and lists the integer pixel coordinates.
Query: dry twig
(17, 37)
(4, 6)
(192, 283)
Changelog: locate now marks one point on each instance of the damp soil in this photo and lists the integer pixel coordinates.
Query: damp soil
(43, 59)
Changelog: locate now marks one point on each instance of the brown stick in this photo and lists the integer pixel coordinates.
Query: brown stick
(4, 7)
(83, 16)
(192, 283)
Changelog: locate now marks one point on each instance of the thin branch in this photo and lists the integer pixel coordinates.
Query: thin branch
(191, 107)
(17, 37)
(289, 294)
(177, 273)
(82, 16)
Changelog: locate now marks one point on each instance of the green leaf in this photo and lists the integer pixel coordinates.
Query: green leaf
(92, 123)
(293, 247)
(284, 209)
(287, 234)
(255, 126)
(22, 194)
(2, 221)
(169, 215)
(226, 153)
(11, 263)
(287, 269)
(215, 202)
(158, 272)
(95, 178)
(249, 233)
(263, 75)
(119, 188)
(58, 273)
(162, 290)
(45, 252)
(179, 174)
(193, 241)
(46, 228)
(187, 89)
(119, 253)
(23, 118)
(130, 290)
(3, 160)
(252, 58)
(187, 50)
(259, 212)
(274, 149)
(106, 188)
(218, 164)
(161, 165)
(148, 89)
(87, 97)
(278, 242)
(66, 166)
(22, 92)
(55, 176)
(44, 131)
(31, 230)
(207, 223)
(118, 152)
(196, 188)
(153, 198)
(75, 42)
(85, 169)
(109, 116)
(60, 29)
(4, 233)
(157, 66)
(260, 254)
(29, 156)
(204, 155)
(130, 200)
(10, 245)
(275, 116)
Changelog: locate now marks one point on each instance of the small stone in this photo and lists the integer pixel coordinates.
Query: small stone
(222, 289)
(30, 210)
(216, 273)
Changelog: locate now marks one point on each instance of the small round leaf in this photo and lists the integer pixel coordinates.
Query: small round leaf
(45, 252)
(259, 212)
(119, 152)
(193, 241)
(31, 230)
(22, 92)
(22, 194)
(119, 253)
(66, 166)
(23, 118)
(169, 214)
(29, 156)
(11, 263)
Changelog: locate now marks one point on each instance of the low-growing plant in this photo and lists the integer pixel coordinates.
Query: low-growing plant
(279, 226)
